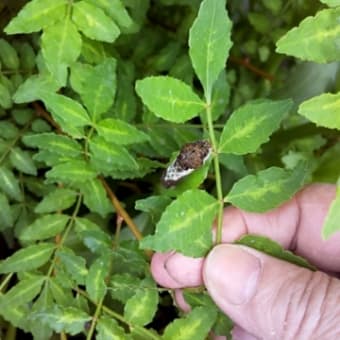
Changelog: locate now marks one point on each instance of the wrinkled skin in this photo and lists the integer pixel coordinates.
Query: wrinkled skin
(268, 298)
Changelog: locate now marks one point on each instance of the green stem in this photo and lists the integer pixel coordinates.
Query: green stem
(217, 172)
(94, 319)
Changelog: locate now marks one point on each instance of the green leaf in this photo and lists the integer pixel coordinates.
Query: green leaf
(59, 199)
(9, 184)
(44, 227)
(34, 88)
(108, 329)
(110, 156)
(22, 161)
(36, 15)
(63, 319)
(8, 55)
(185, 225)
(314, 39)
(331, 3)
(95, 280)
(99, 88)
(252, 124)
(66, 110)
(61, 46)
(195, 325)
(62, 295)
(23, 292)
(75, 265)
(123, 286)
(272, 248)
(5, 97)
(209, 43)
(96, 240)
(6, 217)
(28, 258)
(116, 10)
(119, 132)
(331, 224)
(73, 171)
(95, 197)
(8, 130)
(60, 144)
(267, 189)
(323, 110)
(94, 23)
(141, 308)
(169, 98)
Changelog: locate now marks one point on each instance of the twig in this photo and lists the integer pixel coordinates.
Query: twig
(121, 211)
(42, 113)
(246, 63)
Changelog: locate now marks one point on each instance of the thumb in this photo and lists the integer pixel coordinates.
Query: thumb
(270, 298)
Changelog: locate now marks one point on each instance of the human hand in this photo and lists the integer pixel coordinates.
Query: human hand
(268, 298)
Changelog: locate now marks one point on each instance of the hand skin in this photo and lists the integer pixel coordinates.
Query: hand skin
(268, 298)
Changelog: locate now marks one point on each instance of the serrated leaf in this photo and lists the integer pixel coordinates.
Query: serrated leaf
(119, 132)
(141, 308)
(75, 265)
(331, 224)
(195, 325)
(252, 124)
(61, 46)
(6, 218)
(44, 227)
(108, 329)
(9, 184)
(169, 98)
(22, 161)
(17, 316)
(314, 38)
(185, 225)
(272, 248)
(323, 110)
(5, 97)
(28, 258)
(98, 91)
(8, 131)
(66, 110)
(95, 280)
(209, 43)
(123, 286)
(331, 3)
(61, 295)
(84, 224)
(267, 189)
(73, 171)
(34, 88)
(59, 144)
(96, 240)
(95, 197)
(80, 72)
(59, 199)
(94, 23)
(110, 156)
(36, 15)
(68, 319)
(8, 55)
(23, 292)
(116, 10)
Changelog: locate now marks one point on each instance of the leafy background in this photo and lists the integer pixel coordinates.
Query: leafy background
(97, 97)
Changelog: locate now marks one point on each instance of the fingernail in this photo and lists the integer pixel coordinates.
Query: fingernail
(231, 273)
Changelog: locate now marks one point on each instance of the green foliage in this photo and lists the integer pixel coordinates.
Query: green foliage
(97, 98)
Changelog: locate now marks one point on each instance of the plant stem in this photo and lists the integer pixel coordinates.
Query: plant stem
(217, 172)
(94, 319)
